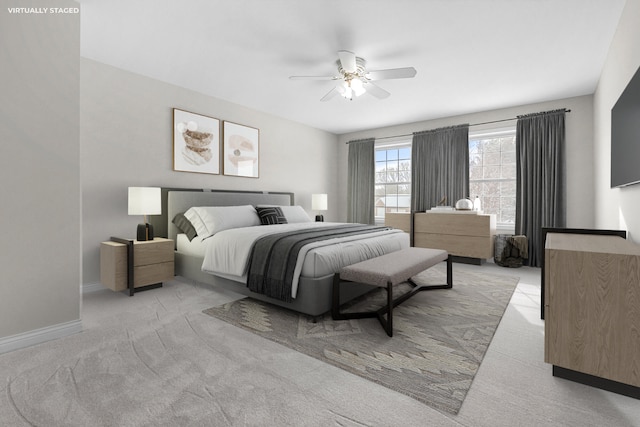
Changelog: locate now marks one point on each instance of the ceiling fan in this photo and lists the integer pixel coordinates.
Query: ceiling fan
(354, 78)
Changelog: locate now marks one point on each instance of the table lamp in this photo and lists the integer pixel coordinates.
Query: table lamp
(319, 203)
(144, 201)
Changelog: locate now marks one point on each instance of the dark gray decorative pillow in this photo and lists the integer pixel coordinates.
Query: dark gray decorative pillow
(185, 226)
(271, 215)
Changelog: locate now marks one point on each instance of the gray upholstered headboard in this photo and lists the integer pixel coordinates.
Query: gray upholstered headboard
(178, 201)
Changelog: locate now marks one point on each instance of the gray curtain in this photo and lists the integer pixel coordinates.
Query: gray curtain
(361, 181)
(440, 166)
(540, 198)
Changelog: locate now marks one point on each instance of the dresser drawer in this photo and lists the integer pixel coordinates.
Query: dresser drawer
(464, 246)
(458, 224)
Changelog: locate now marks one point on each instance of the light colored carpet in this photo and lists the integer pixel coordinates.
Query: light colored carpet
(211, 373)
(440, 336)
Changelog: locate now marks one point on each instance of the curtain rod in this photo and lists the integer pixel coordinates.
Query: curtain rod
(473, 124)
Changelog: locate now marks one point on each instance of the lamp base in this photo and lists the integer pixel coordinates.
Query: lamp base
(319, 218)
(145, 232)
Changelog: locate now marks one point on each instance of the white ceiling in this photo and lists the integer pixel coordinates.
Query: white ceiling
(470, 55)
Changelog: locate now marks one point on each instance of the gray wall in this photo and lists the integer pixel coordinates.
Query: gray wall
(579, 148)
(617, 208)
(40, 169)
(126, 140)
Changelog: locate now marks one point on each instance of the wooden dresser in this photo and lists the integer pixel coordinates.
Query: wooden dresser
(401, 221)
(461, 234)
(592, 310)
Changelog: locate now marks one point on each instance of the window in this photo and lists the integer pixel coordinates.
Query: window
(492, 174)
(393, 179)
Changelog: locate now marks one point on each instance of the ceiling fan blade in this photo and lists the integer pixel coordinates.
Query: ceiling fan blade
(392, 73)
(313, 78)
(348, 61)
(333, 92)
(376, 91)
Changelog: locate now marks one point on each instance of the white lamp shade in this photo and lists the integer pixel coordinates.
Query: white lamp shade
(144, 201)
(319, 202)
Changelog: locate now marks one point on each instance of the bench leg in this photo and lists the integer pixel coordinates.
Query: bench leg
(335, 299)
(419, 288)
(335, 304)
(387, 323)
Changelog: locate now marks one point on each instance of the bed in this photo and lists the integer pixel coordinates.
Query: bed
(206, 261)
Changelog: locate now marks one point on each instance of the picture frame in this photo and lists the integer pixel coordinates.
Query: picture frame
(241, 150)
(196, 143)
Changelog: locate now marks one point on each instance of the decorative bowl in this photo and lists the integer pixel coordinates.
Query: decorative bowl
(464, 205)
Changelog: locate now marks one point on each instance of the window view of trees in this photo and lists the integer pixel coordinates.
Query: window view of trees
(492, 174)
(393, 180)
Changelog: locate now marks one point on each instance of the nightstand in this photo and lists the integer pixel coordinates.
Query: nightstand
(136, 265)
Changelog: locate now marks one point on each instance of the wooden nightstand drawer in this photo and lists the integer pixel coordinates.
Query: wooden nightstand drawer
(152, 251)
(144, 275)
(153, 262)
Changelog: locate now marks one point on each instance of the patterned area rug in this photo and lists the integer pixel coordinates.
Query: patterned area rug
(440, 336)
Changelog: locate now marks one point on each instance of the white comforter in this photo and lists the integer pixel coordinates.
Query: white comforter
(227, 252)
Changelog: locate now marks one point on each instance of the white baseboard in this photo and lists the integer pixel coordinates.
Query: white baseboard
(92, 287)
(38, 336)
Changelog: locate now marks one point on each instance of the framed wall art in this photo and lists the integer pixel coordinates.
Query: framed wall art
(241, 150)
(196, 143)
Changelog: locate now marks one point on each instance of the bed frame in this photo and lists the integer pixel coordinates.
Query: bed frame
(314, 294)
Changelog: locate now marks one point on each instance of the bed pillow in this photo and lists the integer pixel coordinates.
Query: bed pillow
(194, 218)
(293, 214)
(218, 218)
(185, 226)
(271, 215)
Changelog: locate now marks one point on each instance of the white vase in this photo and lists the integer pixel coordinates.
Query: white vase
(477, 205)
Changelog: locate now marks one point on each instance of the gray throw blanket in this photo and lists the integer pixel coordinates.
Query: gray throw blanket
(273, 258)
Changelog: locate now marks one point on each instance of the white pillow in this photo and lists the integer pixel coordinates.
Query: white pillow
(293, 214)
(194, 218)
(210, 220)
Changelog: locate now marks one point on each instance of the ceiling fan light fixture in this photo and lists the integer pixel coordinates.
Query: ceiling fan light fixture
(354, 79)
(350, 87)
(348, 93)
(357, 86)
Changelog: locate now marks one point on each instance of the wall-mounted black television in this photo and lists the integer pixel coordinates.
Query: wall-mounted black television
(625, 136)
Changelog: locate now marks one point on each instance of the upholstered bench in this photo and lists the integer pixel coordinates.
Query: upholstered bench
(386, 271)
